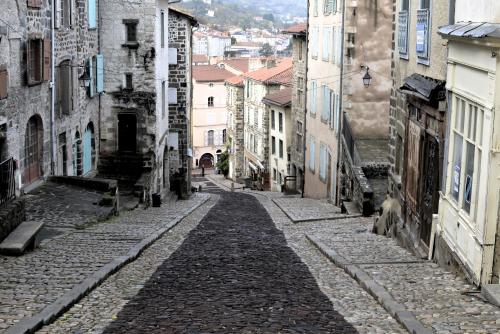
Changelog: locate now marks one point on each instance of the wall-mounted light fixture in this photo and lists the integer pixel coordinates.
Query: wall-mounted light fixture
(367, 78)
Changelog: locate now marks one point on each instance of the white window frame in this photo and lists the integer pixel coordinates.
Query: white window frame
(312, 154)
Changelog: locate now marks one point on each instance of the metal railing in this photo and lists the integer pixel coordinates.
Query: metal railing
(348, 137)
(403, 33)
(423, 16)
(7, 181)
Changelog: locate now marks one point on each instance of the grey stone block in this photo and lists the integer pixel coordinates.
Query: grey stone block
(21, 238)
(492, 293)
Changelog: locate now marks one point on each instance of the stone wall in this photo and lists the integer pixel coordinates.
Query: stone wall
(12, 214)
(237, 134)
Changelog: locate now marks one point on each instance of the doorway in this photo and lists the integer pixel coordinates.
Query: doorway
(207, 160)
(127, 133)
(33, 149)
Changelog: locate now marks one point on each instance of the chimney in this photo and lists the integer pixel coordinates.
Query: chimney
(271, 63)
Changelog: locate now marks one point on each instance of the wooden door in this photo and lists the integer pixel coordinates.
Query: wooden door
(33, 150)
(127, 133)
(430, 198)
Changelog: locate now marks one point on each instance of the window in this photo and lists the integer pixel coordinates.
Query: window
(300, 51)
(65, 89)
(313, 98)
(66, 13)
(273, 120)
(131, 31)
(91, 69)
(315, 7)
(35, 61)
(224, 136)
(211, 101)
(403, 20)
(129, 81)
(326, 108)
(315, 43)
(4, 83)
(300, 92)
(210, 138)
(92, 14)
(35, 3)
(467, 132)
(163, 99)
(280, 122)
(256, 117)
(326, 43)
(322, 162)
(312, 154)
(423, 36)
(281, 149)
(273, 145)
(162, 28)
(298, 137)
(274, 173)
(255, 145)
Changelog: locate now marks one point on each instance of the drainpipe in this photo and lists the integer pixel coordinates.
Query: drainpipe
(305, 103)
(52, 86)
(341, 104)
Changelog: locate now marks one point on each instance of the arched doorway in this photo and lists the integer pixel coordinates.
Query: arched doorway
(207, 160)
(33, 149)
(77, 155)
(88, 148)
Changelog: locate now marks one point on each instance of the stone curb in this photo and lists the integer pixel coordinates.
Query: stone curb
(51, 312)
(383, 297)
(309, 220)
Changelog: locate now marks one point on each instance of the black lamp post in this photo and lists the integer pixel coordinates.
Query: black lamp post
(367, 78)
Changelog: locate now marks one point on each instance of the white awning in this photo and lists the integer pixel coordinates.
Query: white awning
(252, 166)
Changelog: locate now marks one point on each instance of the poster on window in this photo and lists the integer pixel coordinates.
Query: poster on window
(456, 179)
(421, 37)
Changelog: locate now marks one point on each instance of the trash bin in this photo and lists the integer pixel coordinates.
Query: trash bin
(248, 182)
(156, 200)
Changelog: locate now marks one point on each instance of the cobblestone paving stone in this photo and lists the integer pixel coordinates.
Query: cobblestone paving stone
(63, 206)
(233, 274)
(437, 298)
(299, 209)
(101, 307)
(347, 297)
(33, 281)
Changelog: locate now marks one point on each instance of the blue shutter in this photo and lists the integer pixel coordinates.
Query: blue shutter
(92, 14)
(100, 73)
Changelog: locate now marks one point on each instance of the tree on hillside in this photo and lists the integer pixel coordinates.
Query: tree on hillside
(266, 50)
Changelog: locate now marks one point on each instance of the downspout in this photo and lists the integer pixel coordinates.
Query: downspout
(52, 93)
(341, 103)
(99, 21)
(305, 102)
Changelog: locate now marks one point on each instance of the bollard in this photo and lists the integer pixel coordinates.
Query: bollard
(232, 187)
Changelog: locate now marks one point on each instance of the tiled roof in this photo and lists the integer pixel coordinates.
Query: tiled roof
(281, 98)
(200, 59)
(210, 73)
(190, 17)
(300, 28)
(248, 44)
(281, 73)
(239, 64)
(236, 81)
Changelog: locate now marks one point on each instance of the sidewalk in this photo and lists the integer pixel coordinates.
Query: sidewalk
(36, 287)
(419, 294)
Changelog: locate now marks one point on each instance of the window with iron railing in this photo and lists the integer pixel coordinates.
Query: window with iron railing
(423, 26)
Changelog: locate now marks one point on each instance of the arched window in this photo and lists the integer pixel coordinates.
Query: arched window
(33, 149)
(211, 101)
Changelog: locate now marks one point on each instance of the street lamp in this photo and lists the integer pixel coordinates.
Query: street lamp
(367, 78)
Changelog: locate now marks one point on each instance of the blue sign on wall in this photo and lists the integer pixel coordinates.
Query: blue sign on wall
(421, 37)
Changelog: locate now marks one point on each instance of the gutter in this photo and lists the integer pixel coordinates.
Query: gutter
(305, 102)
(52, 93)
(341, 103)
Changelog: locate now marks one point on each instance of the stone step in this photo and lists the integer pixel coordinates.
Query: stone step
(21, 238)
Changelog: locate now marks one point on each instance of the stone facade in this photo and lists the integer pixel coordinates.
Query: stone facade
(134, 108)
(235, 128)
(180, 32)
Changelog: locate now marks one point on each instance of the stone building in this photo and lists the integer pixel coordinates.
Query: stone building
(278, 107)
(180, 31)
(298, 113)
(43, 137)
(209, 114)
(134, 110)
(417, 120)
(365, 119)
(258, 84)
(235, 126)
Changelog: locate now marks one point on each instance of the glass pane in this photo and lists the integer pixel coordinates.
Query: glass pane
(457, 113)
(469, 172)
(457, 166)
(478, 180)
(462, 116)
(480, 122)
(474, 125)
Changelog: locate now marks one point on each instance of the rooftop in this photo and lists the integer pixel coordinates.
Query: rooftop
(279, 74)
(300, 28)
(282, 98)
(236, 81)
(210, 73)
(200, 59)
(239, 64)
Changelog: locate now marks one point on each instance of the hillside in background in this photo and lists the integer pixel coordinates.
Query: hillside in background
(242, 13)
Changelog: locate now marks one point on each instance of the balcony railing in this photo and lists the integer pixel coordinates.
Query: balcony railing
(423, 34)
(7, 181)
(348, 137)
(403, 33)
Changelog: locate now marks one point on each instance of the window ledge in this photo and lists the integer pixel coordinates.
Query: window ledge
(131, 45)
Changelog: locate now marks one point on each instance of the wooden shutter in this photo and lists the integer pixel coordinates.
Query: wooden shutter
(57, 22)
(47, 53)
(92, 14)
(4, 83)
(100, 73)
